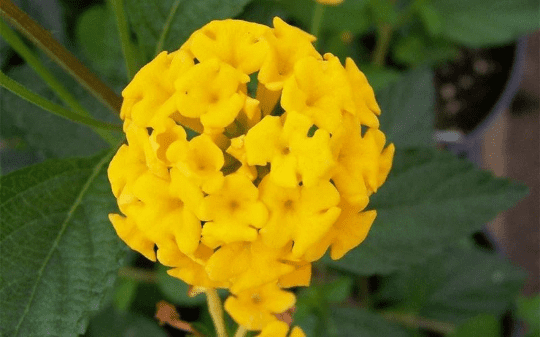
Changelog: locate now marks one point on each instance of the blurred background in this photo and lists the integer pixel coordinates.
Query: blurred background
(511, 148)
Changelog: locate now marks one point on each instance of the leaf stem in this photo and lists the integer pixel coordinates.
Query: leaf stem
(316, 21)
(128, 48)
(56, 109)
(216, 311)
(241, 332)
(384, 35)
(22, 49)
(166, 27)
(416, 322)
(59, 54)
(138, 274)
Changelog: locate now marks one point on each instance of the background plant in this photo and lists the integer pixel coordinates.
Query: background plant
(421, 267)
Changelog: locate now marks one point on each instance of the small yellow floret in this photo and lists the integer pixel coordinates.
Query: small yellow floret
(254, 308)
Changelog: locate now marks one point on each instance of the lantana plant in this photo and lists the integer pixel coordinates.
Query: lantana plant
(253, 169)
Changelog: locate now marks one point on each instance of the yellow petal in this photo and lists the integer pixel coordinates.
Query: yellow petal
(132, 236)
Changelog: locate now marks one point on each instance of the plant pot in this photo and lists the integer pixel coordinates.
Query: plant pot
(462, 121)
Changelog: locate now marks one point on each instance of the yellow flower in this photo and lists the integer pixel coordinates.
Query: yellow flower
(293, 155)
(349, 230)
(233, 212)
(243, 185)
(255, 308)
(248, 265)
(320, 90)
(288, 44)
(200, 160)
(280, 329)
(210, 91)
(237, 43)
(301, 214)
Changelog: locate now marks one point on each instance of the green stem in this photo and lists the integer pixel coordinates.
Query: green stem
(316, 21)
(166, 27)
(128, 48)
(56, 109)
(46, 42)
(20, 47)
(413, 321)
(384, 34)
(138, 274)
(216, 311)
(241, 332)
(365, 297)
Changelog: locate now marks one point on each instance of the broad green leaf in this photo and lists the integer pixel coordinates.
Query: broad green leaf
(481, 325)
(430, 200)
(477, 23)
(59, 252)
(175, 20)
(50, 135)
(353, 322)
(528, 310)
(113, 323)
(407, 106)
(97, 36)
(456, 285)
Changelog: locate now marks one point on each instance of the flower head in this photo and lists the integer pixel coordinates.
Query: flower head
(286, 155)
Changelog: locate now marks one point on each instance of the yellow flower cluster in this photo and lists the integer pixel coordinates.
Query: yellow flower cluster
(248, 156)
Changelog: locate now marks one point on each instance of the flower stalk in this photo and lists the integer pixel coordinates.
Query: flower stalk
(216, 311)
(241, 332)
(316, 21)
(123, 30)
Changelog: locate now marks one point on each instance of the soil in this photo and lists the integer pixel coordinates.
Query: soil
(469, 86)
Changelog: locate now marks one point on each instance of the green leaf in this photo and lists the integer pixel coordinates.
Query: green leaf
(528, 310)
(50, 135)
(477, 23)
(430, 200)
(338, 290)
(97, 36)
(112, 323)
(59, 252)
(352, 322)
(456, 285)
(124, 294)
(380, 78)
(149, 19)
(415, 50)
(384, 12)
(430, 18)
(407, 106)
(481, 325)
